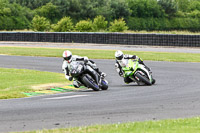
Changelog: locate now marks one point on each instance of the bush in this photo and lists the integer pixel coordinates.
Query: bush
(40, 24)
(84, 26)
(64, 25)
(191, 24)
(118, 26)
(99, 23)
(194, 14)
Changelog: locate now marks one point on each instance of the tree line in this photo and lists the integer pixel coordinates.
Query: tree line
(99, 15)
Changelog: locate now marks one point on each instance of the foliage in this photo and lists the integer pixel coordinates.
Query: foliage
(119, 9)
(13, 16)
(64, 25)
(40, 24)
(80, 9)
(84, 26)
(99, 23)
(118, 25)
(149, 24)
(32, 4)
(183, 5)
(49, 11)
(151, 14)
(194, 14)
(194, 5)
(170, 6)
(145, 8)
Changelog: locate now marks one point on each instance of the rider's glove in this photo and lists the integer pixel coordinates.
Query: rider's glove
(70, 78)
(86, 59)
(140, 61)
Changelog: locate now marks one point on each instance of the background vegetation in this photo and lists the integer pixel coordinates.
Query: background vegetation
(83, 15)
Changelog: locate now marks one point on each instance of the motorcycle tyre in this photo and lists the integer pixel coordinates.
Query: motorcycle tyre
(87, 82)
(104, 86)
(143, 79)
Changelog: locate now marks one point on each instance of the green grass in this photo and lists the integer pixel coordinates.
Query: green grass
(165, 32)
(16, 81)
(189, 125)
(100, 54)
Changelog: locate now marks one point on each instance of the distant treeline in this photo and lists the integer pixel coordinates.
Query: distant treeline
(136, 14)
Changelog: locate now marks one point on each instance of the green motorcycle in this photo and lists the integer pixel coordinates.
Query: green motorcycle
(138, 73)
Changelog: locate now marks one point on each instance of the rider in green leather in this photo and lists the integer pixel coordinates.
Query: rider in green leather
(122, 61)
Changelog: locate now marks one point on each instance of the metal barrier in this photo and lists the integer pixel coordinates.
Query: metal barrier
(104, 38)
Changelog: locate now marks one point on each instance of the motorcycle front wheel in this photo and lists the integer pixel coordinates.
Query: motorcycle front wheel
(104, 85)
(143, 78)
(90, 83)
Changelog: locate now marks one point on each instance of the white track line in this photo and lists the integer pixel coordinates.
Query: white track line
(66, 97)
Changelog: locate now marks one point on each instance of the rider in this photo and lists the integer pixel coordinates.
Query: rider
(68, 58)
(122, 61)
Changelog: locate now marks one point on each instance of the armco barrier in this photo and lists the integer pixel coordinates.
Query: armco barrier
(104, 38)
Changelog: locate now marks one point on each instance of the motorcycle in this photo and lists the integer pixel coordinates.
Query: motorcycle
(87, 76)
(138, 73)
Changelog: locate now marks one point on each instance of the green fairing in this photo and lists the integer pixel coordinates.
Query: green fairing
(137, 73)
(129, 70)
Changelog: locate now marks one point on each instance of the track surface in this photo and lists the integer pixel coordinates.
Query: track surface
(175, 95)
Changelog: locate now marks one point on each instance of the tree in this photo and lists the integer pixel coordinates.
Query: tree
(120, 9)
(64, 25)
(32, 4)
(194, 5)
(118, 25)
(84, 26)
(170, 6)
(49, 11)
(99, 23)
(145, 8)
(183, 5)
(40, 24)
(13, 16)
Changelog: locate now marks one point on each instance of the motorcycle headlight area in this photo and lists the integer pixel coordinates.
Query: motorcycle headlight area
(134, 65)
(80, 67)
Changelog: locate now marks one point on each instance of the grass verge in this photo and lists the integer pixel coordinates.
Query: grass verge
(100, 54)
(16, 81)
(189, 125)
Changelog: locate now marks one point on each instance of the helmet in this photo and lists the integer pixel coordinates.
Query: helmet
(67, 55)
(119, 55)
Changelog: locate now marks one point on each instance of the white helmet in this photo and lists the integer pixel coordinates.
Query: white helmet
(119, 55)
(67, 55)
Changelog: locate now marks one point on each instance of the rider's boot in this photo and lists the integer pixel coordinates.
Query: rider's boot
(127, 80)
(102, 74)
(76, 84)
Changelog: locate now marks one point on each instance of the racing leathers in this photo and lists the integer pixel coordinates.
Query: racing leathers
(123, 63)
(66, 68)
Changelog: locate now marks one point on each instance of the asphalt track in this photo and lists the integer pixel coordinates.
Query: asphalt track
(176, 94)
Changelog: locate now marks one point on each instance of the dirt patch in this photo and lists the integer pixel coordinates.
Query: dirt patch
(48, 86)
